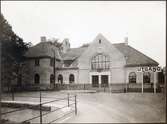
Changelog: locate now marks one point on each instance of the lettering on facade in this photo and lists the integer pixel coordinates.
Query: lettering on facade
(149, 69)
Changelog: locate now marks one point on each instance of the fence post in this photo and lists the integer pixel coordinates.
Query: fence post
(12, 93)
(40, 109)
(0, 84)
(75, 104)
(68, 99)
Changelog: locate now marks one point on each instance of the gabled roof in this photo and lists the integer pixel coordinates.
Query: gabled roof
(74, 53)
(46, 49)
(43, 49)
(134, 57)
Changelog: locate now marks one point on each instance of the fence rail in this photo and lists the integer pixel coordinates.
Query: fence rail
(67, 99)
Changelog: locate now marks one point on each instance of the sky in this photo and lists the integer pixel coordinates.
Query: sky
(143, 22)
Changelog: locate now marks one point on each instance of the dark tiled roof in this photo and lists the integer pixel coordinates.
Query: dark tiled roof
(74, 53)
(43, 49)
(134, 57)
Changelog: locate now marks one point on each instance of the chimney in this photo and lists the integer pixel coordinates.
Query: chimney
(43, 39)
(126, 40)
(65, 45)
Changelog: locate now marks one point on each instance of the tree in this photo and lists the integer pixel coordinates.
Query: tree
(13, 49)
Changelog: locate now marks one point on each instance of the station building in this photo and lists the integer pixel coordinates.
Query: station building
(97, 64)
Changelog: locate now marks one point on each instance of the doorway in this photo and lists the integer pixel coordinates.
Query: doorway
(95, 81)
(104, 80)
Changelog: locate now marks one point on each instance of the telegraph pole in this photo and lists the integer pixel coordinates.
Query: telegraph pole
(0, 82)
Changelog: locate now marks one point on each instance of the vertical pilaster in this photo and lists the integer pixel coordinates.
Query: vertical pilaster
(90, 78)
(125, 73)
(155, 81)
(109, 81)
(142, 85)
(99, 80)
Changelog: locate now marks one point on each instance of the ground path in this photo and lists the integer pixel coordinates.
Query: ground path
(109, 107)
(131, 107)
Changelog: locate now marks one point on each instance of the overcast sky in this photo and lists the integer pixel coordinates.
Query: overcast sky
(143, 22)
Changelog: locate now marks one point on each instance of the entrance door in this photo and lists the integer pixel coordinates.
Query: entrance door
(95, 81)
(104, 80)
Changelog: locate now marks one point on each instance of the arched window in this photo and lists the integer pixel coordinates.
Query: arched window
(146, 77)
(36, 79)
(51, 78)
(100, 62)
(60, 78)
(132, 77)
(71, 78)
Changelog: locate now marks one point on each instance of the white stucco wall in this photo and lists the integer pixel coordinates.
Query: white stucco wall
(84, 76)
(118, 73)
(117, 60)
(44, 70)
(66, 73)
(139, 75)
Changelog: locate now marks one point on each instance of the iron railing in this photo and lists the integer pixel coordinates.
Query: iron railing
(70, 103)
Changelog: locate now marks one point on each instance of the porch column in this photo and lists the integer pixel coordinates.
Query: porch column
(99, 80)
(142, 85)
(126, 82)
(90, 78)
(109, 80)
(155, 81)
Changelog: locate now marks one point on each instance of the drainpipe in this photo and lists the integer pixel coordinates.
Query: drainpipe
(54, 69)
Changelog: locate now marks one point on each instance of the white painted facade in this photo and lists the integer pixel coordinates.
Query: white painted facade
(117, 73)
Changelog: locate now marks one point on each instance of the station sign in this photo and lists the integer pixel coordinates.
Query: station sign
(149, 69)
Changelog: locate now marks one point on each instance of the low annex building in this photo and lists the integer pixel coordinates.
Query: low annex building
(97, 64)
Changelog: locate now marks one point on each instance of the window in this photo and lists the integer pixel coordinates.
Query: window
(100, 62)
(146, 77)
(71, 78)
(52, 62)
(36, 79)
(99, 41)
(132, 77)
(36, 62)
(51, 78)
(95, 81)
(67, 63)
(60, 79)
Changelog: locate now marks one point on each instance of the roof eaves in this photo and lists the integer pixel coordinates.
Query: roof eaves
(134, 65)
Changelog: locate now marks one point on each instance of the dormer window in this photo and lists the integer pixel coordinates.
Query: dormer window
(36, 62)
(99, 41)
